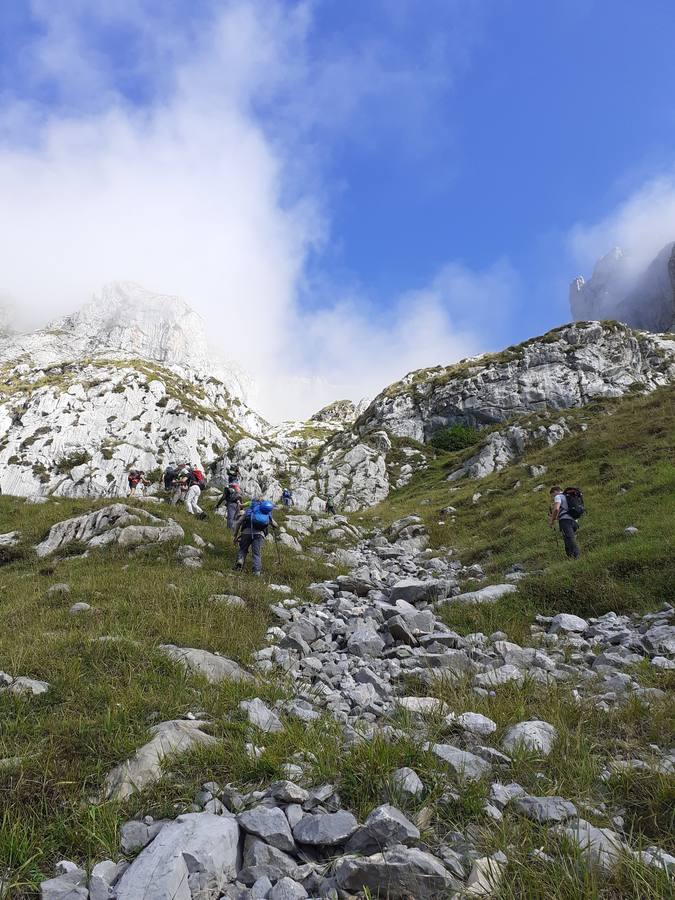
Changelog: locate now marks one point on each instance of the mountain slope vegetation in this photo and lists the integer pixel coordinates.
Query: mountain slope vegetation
(109, 684)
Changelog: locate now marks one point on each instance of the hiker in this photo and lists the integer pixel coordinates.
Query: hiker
(287, 497)
(567, 507)
(137, 483)
(172, 481)
(330, 506)
(232, 497)
(250, 530)
(195, 482)
(233, 474)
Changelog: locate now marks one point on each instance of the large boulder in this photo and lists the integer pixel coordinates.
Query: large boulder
(466, 766)
(194, 856)
(145, 766)
(270, 824)
(535, 736)
(600, 848)
(544, 810)
(325, 829)
(412, 590)
(118, 523)
(398, 874)
(489, 594)
(212, 666)
(385, 827)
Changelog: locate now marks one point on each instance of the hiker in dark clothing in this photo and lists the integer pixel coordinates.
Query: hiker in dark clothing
(232, 497)
(287, 497)
(568, 526)
(250, 530)
(330, 506)
(233, 474)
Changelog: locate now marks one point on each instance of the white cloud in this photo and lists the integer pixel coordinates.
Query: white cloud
(641, 225)
(193, 193)
(351, 350)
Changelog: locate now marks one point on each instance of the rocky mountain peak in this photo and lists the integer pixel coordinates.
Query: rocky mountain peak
(127, 317)
(343, 411)
(643, 297)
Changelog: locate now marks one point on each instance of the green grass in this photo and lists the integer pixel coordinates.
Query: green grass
(623, 462)
(105, 695)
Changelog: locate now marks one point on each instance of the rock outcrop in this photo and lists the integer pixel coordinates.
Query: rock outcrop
(641, 297)
(566, 368)
(145, 766)
(115, 524)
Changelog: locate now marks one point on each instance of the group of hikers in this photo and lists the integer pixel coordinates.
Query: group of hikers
(249, 521)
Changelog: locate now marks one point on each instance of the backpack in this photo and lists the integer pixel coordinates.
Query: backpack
(257, 519)
(169, 477)
(199, 478)
(134, 477)
(575, 502)
(233, 493)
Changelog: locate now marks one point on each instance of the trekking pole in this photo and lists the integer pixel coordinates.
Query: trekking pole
(276, 544)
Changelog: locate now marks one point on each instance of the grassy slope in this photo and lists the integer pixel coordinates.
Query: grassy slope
(624, 463)
(105, 695)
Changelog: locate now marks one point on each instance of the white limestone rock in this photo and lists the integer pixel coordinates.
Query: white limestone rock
(145, 766)
(535, 735)
(195, 844)
(212, 666)
(117, 523)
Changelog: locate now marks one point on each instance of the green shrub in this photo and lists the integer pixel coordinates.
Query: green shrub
(454, 437)
(77, 458)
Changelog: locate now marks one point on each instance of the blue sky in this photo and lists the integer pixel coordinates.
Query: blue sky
(359, 188)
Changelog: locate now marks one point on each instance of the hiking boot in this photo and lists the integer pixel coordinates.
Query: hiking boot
(238, 567)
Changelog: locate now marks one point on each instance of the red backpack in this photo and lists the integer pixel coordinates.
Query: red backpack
(200, 478)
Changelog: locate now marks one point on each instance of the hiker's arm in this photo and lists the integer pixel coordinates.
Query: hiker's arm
(555, 512)
(220, 501)
(273, 524)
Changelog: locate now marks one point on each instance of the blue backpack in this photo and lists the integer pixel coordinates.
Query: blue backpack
(258, 518)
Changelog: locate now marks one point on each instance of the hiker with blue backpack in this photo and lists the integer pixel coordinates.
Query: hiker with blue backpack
(566, 507)
(250, 530)
(287, 497)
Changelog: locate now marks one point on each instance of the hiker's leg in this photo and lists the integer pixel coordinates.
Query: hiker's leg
(231, 514)
(567, 528)
(191, 500)
(244, 544)
(257, 542)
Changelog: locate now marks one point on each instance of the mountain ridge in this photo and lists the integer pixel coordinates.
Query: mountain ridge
(127, 382)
